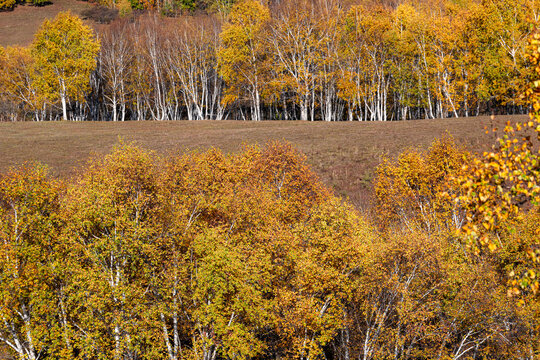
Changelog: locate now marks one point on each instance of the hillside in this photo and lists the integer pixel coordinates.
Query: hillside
(18, 27)
(343, 154)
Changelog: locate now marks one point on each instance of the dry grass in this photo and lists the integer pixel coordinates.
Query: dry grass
(18, 27)
(343, 154)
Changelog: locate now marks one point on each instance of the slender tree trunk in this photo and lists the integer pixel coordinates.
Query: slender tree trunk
(63, 98)
(304, 108)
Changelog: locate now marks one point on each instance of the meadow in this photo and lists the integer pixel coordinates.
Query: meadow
(344, 154)
(19, 25)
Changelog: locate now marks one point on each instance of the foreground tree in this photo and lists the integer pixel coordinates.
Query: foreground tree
(504, 183)
(30, 319)
(109, 229)
(214, 256)
(414, 189)
(64, 51)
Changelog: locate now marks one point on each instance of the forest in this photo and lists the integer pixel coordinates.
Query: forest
(325, 60)
(214, 256)
(209, 255)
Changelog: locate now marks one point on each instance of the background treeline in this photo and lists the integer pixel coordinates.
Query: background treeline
(212, 256)
(6, 5)
(309, 60)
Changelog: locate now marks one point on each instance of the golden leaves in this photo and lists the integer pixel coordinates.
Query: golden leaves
(210, 246)
(417, 188)
(499, 188)
(64, 51)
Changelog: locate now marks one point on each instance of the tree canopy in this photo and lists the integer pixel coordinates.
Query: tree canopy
(64, 51)
(309, 60)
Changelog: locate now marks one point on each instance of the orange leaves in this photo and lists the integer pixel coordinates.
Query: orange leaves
(281, 234)
(213, 255)
(415, 189)
(189, 256)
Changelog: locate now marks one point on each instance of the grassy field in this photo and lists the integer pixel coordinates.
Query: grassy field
(344, 154)
(18, 27)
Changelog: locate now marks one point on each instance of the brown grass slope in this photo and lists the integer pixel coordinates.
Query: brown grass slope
(18, 27)
(343, 154)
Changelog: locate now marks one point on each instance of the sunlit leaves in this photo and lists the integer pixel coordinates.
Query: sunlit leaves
(242, 56)
(417, 189)
(29, 262)
(64, 51)
(504, 183)
(7, 4)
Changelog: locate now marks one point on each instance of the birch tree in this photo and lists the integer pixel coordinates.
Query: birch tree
(64, 50)
(242, 56)
(110, 233)
(116, 61)
(29, 247)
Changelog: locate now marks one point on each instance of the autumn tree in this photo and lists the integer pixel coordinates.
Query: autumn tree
(212, 296)
(223, 297)
(413, 189)
(211, 255)
(29, 226)
(7, 4)
(17, 81)
(295, 39)
(509, 27)
(64, 50)
(504, 182)
(110, 231)
(191, 68)
(116, 61)
(364, 50)
(242, 56)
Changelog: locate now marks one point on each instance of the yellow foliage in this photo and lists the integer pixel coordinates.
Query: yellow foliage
(505, 182)
(414, 189)
(7, 4)
(64, 51)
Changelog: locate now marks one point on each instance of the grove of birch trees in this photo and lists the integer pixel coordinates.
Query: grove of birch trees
(328, 60)
(211, 256)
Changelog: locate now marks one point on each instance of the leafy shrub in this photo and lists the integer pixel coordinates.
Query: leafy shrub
(40, 2)
(100, 14)
(7, 4)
